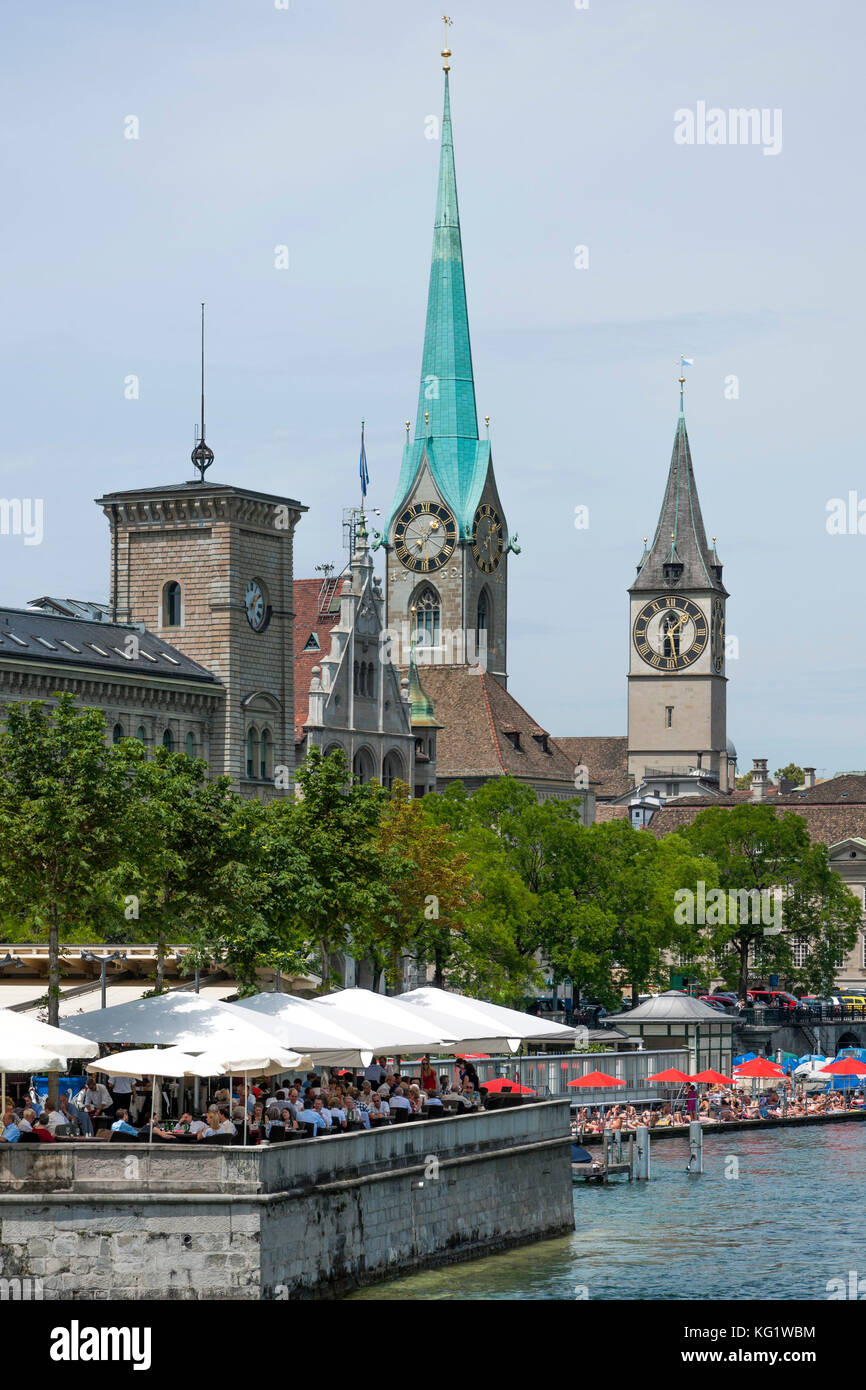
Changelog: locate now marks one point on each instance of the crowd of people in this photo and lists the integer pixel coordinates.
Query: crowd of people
(715, 1106)
(315, 1105)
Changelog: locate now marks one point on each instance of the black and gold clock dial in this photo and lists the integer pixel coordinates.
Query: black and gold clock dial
(425, 536)
(488, 541)
(670, 633)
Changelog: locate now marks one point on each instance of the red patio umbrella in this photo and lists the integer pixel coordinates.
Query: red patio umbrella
(473, 1056)
(845, 1066)
(760, 1068)
(671, 1077)
(597, 1079)
(714, 1078)
(502, 1083)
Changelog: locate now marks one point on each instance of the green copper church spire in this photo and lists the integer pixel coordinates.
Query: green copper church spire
(447, 393)
(446, 425)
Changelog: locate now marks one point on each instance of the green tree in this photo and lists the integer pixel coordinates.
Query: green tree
(325, 847)
(183, 874)
(759, 855)
(64, 803)
(792, 772)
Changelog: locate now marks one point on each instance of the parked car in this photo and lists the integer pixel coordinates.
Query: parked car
(772, 998)
(818, 1005)
(853, 1001)
(718, 1001)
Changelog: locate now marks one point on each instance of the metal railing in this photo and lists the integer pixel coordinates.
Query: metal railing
(764, 1016)
(549, 1073)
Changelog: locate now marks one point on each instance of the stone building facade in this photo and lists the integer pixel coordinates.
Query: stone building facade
(209, 567)
(356, 699)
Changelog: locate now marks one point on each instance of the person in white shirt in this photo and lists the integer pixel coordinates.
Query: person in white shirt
(379, 1108)
(56, 1117)
(94, 1098)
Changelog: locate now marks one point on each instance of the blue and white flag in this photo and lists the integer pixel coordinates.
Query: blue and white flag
(687, 362)
(365, 476)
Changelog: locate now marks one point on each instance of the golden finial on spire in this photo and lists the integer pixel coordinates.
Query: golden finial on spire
(446, 51)
(487, 423)
(408, 424)
(426, 417)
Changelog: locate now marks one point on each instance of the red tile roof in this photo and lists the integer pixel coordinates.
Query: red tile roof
(605, 757)
(477, 714)
(308, 619)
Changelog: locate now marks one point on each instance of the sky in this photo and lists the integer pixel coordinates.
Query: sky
(304, 124)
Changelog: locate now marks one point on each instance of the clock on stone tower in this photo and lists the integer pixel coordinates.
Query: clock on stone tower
(208, 567)
(677, 735)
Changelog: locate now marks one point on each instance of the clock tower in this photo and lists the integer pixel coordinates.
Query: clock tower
(446, 539)
(676, 684)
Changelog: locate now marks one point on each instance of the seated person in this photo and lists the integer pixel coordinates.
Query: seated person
(122, 1126)
(432, 1100)
(311, 1114)
(42, 1129)
(400, 1101)
(9, 1130)
(380, 1110)
(25, 1124)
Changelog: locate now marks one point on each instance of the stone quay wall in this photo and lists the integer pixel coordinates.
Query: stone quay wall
(308, 1219)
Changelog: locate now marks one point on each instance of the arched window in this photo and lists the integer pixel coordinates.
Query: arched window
(168, 740)
(117, 733)
(190, 745)
(356, 679)
(171, 604)
(371, 679)
(362, 766)
(392, 770)
(427, 617)
(141, 735)
(264, 753)
(482, 621)
(251, 752)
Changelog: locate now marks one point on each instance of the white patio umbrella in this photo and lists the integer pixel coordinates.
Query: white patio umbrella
(385, 1024)
(297, 1024)
(28, 1045)
(178, 1019)
(476, 1021)
(174, 1061)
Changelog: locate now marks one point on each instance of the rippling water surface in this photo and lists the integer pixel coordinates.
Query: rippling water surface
(793, 1219)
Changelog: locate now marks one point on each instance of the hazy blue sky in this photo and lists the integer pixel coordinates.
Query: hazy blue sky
(306, 127)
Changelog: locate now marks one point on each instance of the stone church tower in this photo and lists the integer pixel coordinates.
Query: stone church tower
(446, 538)
(676, 684)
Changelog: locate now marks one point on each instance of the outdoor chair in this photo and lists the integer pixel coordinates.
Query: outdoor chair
(25, 1137)
(276, 1134)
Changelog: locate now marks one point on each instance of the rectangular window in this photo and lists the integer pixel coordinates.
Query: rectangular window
(669, 716)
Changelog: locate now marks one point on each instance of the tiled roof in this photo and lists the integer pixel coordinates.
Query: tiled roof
(606, 757)
(605, 810)
(33, 635)
(828, 824)
(475, 710)
(309, 619)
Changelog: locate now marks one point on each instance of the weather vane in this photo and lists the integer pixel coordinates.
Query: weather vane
(446, 51)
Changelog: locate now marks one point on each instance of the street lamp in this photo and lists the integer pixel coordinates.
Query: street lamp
(103, 964)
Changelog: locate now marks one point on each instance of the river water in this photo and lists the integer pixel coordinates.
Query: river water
(776, 1214)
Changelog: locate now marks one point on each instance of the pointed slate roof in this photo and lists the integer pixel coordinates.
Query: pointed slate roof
(680, 537)
(457, 458)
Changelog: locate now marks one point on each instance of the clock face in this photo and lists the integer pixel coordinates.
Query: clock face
(254, 605)
(717, 635)
(488, 542)
(670, 633)
(425, 536)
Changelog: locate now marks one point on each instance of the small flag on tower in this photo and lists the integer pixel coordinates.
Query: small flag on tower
(365, 476)
(687, 362)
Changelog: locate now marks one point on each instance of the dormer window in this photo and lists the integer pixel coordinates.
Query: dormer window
(541, 739)
(513, 737)
(673, 572)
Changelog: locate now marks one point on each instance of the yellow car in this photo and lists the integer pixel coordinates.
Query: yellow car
(853, 1001)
